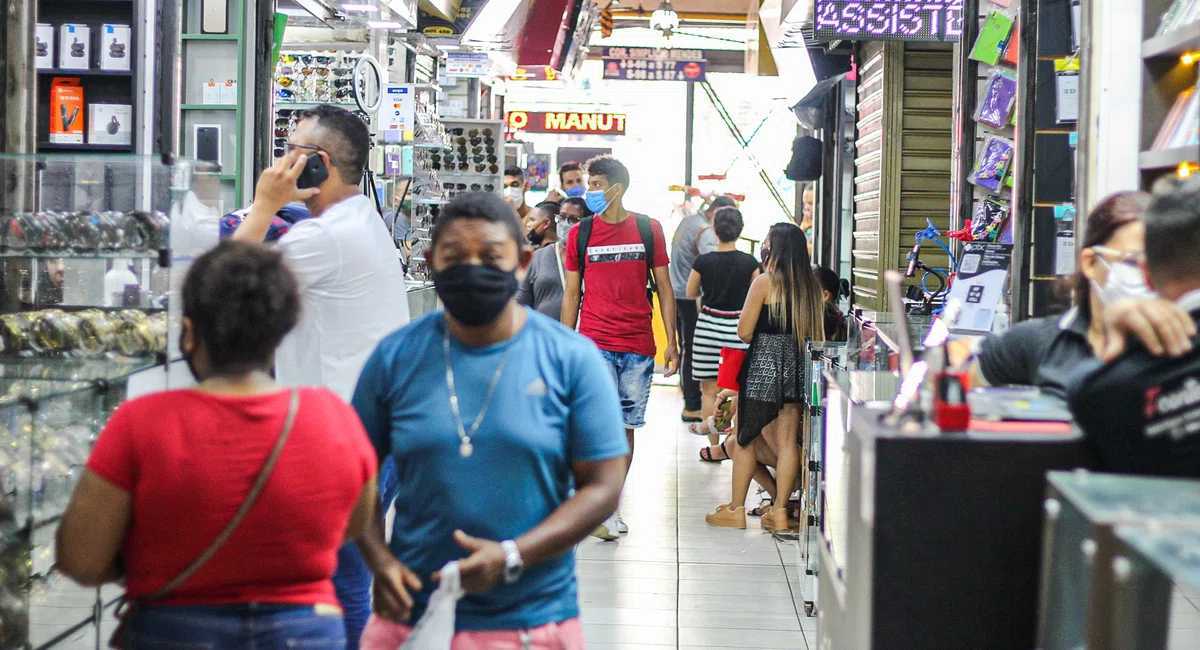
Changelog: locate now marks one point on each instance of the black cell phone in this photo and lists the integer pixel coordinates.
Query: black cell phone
(314, 172)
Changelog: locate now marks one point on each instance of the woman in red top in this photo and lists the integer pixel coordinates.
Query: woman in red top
(170, 470)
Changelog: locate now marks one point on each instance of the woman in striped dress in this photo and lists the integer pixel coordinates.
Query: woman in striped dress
(720, 280)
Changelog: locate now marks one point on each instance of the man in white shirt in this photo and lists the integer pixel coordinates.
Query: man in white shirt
(350, 280)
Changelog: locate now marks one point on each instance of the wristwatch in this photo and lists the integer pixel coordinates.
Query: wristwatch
(514, 565)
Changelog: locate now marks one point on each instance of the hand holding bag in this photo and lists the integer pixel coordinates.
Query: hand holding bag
(435, 630)
(120, 637)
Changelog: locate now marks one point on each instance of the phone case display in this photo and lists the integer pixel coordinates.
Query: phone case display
(315, 77)
(993, 163)
(993, 38)
(999, 98)
(473, 162)
(1179, 14)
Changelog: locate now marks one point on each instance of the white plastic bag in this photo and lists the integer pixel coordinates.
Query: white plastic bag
(435, 630)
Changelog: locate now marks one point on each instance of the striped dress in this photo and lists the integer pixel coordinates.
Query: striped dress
(724, 280)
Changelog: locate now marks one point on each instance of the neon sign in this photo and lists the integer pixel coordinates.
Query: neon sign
(889, 20)
(567, 122)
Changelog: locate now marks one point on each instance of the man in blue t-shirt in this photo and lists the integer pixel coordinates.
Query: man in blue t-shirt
(508, 440)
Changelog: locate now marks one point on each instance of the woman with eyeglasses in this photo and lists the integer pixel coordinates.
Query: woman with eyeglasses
(542, 287)
(1111, 299)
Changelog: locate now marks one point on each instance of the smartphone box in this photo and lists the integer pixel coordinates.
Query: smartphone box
(66, 111)
(110, 124)
(115, 49)
(211, 92)
(43, 46)
(74, 47)
(229, 92)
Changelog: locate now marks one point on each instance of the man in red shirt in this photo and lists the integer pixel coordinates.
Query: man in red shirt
(623, 250)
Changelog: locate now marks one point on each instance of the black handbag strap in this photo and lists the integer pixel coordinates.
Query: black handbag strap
(263, 475)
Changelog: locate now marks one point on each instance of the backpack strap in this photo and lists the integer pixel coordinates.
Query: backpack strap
(581, 242)
(647, 232)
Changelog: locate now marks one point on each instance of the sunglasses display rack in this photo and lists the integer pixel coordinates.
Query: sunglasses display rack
(473, 161)
(305, 78)
(91, 247)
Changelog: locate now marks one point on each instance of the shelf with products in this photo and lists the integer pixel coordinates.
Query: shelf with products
(1170, 134)
(308, 75)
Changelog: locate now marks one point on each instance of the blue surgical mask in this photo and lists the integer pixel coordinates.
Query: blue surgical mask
(597, 200)
(575, 191)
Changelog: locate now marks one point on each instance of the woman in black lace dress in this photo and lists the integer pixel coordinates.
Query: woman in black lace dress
(785, 306)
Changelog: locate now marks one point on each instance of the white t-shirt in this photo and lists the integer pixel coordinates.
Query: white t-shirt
(353, 295)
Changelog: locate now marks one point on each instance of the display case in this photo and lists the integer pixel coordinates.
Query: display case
(1157, 575)
(93, 250)
(1082, 511)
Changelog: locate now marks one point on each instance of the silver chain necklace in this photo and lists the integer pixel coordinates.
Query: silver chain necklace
(465, 448)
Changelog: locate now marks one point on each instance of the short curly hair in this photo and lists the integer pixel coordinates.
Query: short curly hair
(242, 300)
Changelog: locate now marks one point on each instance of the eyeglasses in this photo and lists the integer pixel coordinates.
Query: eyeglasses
(1122, 257)
(288, 146)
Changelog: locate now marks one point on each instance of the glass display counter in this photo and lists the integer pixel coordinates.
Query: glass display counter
(93, 252)
(1157, 573)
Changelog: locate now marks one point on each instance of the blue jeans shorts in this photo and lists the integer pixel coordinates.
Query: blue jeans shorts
(633, 373)
(254, 626)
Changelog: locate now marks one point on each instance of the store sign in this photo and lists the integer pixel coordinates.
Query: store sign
(460, 64)
(535, 73)
(433, 25)
(651, 54)
(889, 20)
(643, 70)
(568, 122)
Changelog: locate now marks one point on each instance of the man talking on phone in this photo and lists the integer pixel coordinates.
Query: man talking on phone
(350, 280)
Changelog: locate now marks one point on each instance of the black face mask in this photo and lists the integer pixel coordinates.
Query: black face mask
(475, 294)
(536, 238)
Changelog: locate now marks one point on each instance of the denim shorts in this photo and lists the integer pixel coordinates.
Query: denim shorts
(633, 373)
(253, 626)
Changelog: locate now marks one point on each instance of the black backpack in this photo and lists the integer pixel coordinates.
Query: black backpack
(647, 233)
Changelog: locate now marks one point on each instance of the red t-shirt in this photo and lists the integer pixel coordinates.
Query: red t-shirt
(189, 459)
(615, 313)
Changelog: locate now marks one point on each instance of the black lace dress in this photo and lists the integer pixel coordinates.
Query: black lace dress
(771, 376)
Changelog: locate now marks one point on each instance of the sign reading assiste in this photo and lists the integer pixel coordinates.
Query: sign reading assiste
(580, 123)
(889, 20)
(653, 70)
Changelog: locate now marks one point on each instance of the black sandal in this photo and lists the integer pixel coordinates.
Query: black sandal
(707, 456)
(761, 509)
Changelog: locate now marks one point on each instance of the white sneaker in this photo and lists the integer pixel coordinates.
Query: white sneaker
(621, 527)
(607, 531)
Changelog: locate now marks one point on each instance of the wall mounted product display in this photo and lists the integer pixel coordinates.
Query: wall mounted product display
(1078, 584)
(96, 45)
(471, 162)
(1170, 137)
(305, 77)
(89, 251)
(1155, 570)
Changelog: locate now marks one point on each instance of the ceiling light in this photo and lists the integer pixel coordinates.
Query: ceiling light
(384, 24)
(664, 19)
(359, 8)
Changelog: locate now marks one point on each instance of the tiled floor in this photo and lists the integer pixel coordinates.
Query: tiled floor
(674, 581)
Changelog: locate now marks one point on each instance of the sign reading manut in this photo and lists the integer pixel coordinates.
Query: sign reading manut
(567, 122)
(889, 20)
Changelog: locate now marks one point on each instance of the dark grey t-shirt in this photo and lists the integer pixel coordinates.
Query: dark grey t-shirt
(542, 288)
(1044, 352)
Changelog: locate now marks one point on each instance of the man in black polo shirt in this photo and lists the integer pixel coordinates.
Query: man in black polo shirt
(1141, 413)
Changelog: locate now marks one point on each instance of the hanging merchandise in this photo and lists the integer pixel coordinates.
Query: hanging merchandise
(1076, 17)
(1064, 239)
(1066, 79)
(1012, 50)
(999, 98)
(993, 37)
(991, 216)
(992, 164)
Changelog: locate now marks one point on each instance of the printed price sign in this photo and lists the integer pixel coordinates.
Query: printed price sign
(654, 70)
(889, 20)
(460, 64)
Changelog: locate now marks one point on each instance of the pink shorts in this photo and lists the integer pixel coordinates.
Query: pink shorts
(568, 635)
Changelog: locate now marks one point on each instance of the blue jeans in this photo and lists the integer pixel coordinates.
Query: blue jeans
(633, 373)
(254, 626)
(352, 580)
